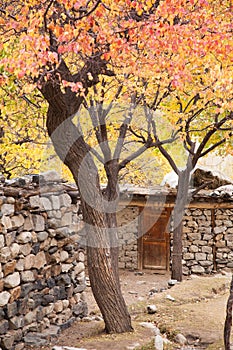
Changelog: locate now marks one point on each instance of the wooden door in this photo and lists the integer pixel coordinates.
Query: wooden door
(154, 251)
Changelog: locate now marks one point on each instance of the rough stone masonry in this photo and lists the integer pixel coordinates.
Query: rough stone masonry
(41, 263)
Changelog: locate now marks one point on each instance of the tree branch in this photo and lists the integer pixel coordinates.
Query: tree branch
(123, 129)
(208, 135)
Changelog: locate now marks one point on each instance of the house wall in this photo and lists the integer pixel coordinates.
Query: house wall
(41, 266)
(128, 222)
(207, 239)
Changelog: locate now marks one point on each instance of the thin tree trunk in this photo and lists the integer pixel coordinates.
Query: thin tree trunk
(177, 272)
(228, 320)
(178, 213)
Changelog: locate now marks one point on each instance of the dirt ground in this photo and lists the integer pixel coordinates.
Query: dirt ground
(197, 311)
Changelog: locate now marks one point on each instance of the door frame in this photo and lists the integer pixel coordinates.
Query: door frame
(140, 242)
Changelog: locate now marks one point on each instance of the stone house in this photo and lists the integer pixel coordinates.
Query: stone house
(145, 218)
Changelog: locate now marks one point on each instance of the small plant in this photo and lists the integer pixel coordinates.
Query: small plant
(149, 346)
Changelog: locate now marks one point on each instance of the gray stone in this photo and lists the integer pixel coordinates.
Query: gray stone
(14, 249)
(4, 326)
(200, 256)
(206, 263)
(28, 223)
(55, 202)
(172, 282)
(8, 209)
(197, 269)
(188, 256)
(35, 202)
(67, 267)
(36, 339)
(39, 260)
(11, 309)
(50, 176)
(65, 200)
(39, 223)
(25, 249)
(16, 322)
(17, 221)
(63, 232)
(7, 342)
(180, 339)
(148, 325)
(66, 219)
(220, 229)
(24, 237)
(79, 268)
(27, 276)
(2, 241)
(12, 280)
(46, 204)
(6, 222)
(10, 238)
(158, 342)
(64, 256)
(151, 309)
(5, 254)
(193, 249)
(4, 298)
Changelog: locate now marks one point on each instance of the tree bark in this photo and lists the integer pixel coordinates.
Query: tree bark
(70, 146)
(178, 213)
(228, 320)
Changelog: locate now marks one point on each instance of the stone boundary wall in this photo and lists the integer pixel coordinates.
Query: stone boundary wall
(41, 264)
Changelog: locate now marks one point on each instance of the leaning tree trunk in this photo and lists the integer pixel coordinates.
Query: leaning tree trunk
(70, 146)
(178, 213)
(228, 320)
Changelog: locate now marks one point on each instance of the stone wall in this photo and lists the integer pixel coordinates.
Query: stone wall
(127, 219)
(207, 240)
(198, 242)
(41, 264)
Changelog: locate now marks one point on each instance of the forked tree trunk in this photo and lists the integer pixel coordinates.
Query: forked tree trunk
(70, 146)
(228, 320)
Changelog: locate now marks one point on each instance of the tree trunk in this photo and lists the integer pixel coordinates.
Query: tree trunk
(178, 213)
(228, 320)
(70, 146)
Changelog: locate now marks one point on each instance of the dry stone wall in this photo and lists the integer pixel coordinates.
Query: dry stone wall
(207, 239)
(41, 264)
(198, 241)
(128, 221)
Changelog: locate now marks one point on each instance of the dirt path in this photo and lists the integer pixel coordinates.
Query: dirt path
(198, 312)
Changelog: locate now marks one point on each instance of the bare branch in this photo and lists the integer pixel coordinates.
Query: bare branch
(208, 135)
(45, 15)
(85, 12)
(214, 146)
(123, 128)
(97, 155)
